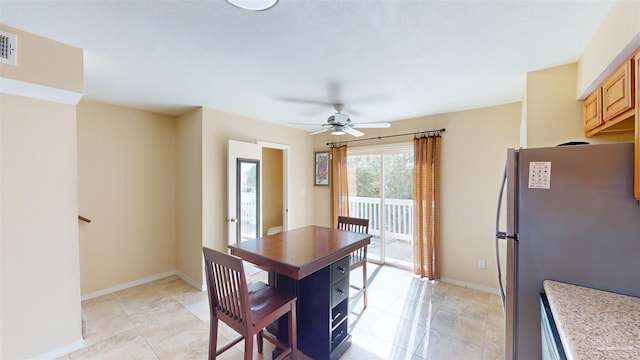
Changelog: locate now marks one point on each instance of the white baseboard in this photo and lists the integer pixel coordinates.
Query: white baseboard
(127, 285)
(191, 282)
(68, 349)
(471, 286)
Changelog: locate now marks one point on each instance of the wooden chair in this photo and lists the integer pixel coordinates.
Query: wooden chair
(247, 311)
(357, 258)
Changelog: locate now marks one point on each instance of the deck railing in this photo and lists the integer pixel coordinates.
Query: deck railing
(248, 207)
(398, 214)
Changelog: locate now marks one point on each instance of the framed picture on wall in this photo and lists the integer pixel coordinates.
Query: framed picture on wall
(321, 168)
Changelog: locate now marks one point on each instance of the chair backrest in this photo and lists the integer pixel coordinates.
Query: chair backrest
(227, 287)
(353, 224)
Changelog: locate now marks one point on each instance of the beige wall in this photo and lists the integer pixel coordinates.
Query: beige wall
(616, 38)
(126, 177)
(272, 195)
(150, 181)
(218, 128)
(39, 251)
(40, 277)
(473, 154)
(45, 62)
(189, 195)
(554, 116)
(203, 136)
(38, 179)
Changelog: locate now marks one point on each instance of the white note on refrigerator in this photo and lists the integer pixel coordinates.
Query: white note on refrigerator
(540, 175)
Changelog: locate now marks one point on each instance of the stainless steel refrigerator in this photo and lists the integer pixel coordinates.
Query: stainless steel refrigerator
(570, 217)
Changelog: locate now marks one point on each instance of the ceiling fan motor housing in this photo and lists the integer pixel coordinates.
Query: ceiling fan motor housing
(338, 118)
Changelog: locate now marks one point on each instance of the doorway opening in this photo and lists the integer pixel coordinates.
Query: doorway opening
(275, 180)
(273, 190)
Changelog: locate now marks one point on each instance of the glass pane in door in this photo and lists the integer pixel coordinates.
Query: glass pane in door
(364, 197)
(398, 208)
(381, 190)
(248, 199)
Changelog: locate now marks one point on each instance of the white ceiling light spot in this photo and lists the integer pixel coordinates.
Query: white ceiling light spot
(256, 5)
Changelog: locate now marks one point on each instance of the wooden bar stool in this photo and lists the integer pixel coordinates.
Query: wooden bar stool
(357, 258)
(246, 311)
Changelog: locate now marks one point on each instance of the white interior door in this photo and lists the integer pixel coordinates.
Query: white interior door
(244, 191)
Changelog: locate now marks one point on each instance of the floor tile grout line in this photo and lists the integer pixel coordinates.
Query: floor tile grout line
(138, 329)
(386, 283)
(148, 344)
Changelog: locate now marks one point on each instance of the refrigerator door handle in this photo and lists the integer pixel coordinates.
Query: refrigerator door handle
(504, 235)
(501, 235)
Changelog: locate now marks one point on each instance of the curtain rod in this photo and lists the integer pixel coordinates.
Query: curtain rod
(388, 136)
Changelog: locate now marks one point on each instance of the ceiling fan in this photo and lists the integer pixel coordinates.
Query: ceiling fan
(340, 124)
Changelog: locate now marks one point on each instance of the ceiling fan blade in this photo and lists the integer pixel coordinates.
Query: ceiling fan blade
(319, 131)
(306, 101)
(352, 132)
(296, 123)
(380, 125)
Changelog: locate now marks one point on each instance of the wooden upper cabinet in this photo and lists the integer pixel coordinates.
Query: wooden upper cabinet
(614, 107)
(611, 107)
(591, 112)
(617, 94)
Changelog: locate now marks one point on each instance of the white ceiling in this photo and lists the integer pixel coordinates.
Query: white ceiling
(385, 60)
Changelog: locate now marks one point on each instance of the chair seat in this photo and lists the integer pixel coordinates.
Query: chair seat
(264, 300)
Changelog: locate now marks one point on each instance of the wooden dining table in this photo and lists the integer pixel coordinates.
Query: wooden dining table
(313, 263)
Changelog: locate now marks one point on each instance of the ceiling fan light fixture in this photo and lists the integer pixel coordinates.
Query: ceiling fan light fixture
(338, 132)
(255, 5)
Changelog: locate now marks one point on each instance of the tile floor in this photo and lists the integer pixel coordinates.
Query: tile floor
(407, 318)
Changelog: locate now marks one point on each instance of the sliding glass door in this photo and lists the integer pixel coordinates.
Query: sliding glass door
(381, 190)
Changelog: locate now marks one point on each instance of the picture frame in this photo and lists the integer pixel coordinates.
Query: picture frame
(321, 168)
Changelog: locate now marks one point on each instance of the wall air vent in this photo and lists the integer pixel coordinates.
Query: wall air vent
(8, 48)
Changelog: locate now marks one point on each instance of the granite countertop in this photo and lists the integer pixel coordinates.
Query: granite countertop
(595, 324)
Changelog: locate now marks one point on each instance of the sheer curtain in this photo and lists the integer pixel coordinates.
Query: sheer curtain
(338, 183)
(426, 203)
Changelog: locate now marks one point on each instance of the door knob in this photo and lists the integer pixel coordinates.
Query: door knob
(233, 220)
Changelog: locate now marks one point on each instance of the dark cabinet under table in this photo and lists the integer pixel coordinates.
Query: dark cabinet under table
(313, 263)
(322, 312)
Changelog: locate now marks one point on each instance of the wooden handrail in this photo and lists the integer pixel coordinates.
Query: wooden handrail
(80, 217)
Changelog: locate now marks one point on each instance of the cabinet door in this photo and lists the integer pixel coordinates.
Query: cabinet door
(636, 162)
(617, 96)
(591, 110)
